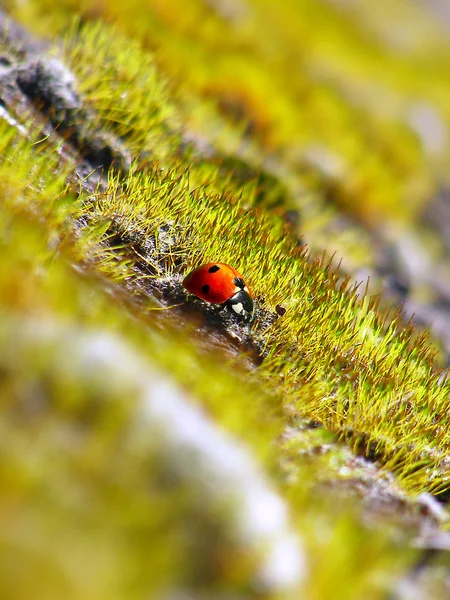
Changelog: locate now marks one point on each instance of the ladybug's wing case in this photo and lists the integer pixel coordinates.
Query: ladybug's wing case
(213, 282)
(237, 275)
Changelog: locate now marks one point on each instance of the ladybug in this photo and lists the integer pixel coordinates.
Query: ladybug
(219, 283)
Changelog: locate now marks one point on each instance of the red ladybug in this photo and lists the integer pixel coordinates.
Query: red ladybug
(219, 283)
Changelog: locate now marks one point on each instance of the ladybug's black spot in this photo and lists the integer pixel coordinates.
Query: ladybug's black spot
(213, 269)
(205, 288)
(239, 282)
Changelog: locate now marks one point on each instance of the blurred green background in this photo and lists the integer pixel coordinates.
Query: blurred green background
(142, 457)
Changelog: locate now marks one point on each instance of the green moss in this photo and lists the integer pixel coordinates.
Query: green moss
(304, 75)
(92, 260)
(71, 499)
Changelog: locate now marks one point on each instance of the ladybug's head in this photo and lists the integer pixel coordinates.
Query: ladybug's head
(241, 305)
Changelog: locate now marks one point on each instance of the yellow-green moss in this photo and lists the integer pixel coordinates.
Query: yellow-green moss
(279, 93)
